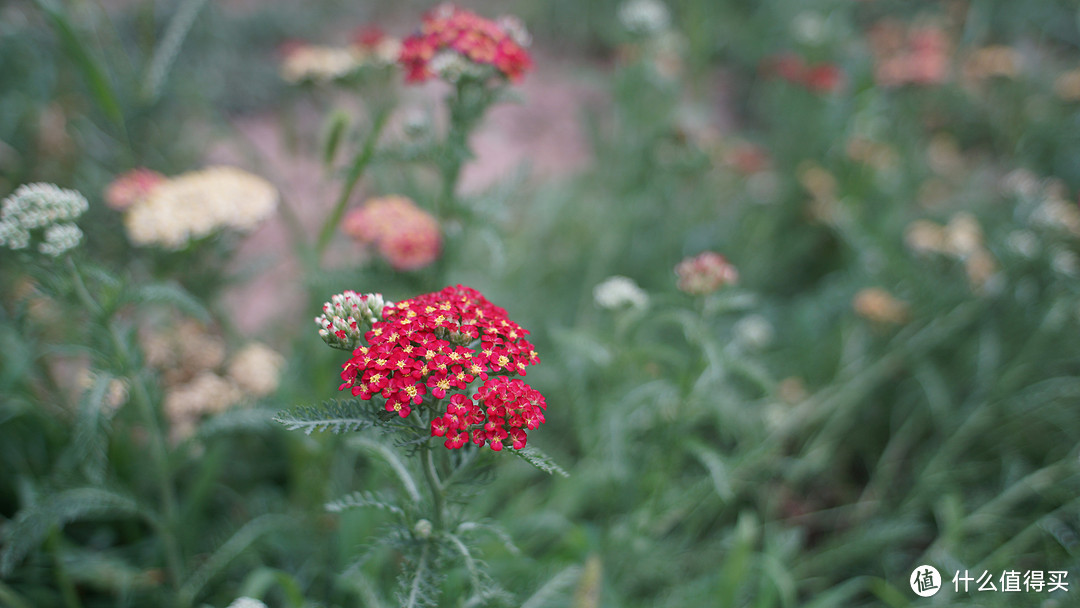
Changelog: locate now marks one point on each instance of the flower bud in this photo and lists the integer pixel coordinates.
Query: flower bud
(423, 529)
(346, 316)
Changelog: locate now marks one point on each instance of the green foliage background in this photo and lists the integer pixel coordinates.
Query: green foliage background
(814, 468)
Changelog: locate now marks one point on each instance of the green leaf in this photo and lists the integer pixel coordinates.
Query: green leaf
(540, 460)
(333, 132)
(30, 528)
(169, 47)
(553, 592)
(360, 500)
(88, 448)
(376, 448)
(332, 416)
(228, 551)
(171, 294)
(418, 584)
(91, 69)
(258, 582)
(236, 420)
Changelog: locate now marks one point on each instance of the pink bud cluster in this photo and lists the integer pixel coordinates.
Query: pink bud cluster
(705, 273)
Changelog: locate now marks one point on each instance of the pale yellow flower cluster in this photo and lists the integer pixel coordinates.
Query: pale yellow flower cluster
(200, 379)
(197, 204)
(320, 64)
(879, 306)
(961, 238)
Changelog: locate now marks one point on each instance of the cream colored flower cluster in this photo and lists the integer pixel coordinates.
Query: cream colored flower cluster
(320, 64)
(962, 239)
(198, 380)
(197, 204)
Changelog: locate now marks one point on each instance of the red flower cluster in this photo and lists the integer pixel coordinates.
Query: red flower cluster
(448, 28)
(820, 78)
(425, 345)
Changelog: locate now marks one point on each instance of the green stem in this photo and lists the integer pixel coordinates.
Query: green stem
(8, 597)
(81, 291)
(355, 172)
(67, 588)
(434, 485)
(164, 479)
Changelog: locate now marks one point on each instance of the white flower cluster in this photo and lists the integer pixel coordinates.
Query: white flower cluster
(618, 292)
(196, 204)
(645, 17)
(42, 207)
(247, 602)
(345, 316)
(451, 66)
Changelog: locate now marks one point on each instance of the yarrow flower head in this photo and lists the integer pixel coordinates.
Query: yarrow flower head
(405, 235)
(346, 316)
(197, 204)
(705, 273)
(437, 344)
(370, 47)
(454, 43)
(644, 17)
(132, 187)
(43, 210)
(620, 292)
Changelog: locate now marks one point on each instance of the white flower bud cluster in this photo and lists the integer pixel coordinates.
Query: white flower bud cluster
(346, 315)
(247, 602)
(43, 207)
(645, 17)
(516, 29)
(451, 66)
(618, 292)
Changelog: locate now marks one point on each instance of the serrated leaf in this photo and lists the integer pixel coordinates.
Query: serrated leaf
(32, 525)
(540, 460)
(332, 416)
(228, 551)
(236, 420)
(553, 592)
(361, 500)
(88, 447)
(419, 585)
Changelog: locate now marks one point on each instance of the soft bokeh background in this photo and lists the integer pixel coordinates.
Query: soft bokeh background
(892, 382)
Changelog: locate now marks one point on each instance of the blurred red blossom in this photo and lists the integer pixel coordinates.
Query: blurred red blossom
(453, 40)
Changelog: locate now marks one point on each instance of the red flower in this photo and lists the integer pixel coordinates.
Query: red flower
(430, 342)
(824, 78)
(481, 41)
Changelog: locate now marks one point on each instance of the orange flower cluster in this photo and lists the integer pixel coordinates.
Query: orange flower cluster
(406, 235)
(450, 34)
